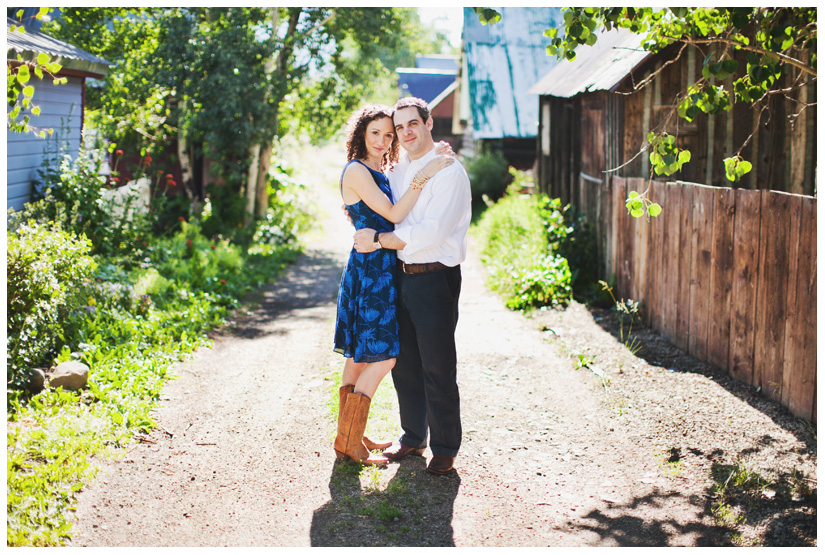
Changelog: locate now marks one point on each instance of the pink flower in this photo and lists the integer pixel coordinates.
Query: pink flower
(119, 152)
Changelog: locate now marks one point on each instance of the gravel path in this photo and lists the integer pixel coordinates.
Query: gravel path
(551, 457)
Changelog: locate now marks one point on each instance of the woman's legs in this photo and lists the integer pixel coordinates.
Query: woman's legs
(362, 379)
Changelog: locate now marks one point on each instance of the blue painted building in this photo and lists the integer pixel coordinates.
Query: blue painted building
(429, 78)
(61, 107)
(502, 61)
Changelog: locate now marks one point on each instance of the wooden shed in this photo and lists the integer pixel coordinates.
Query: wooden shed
(593, 122)
(61, 107)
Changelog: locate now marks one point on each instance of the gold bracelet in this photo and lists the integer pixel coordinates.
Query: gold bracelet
(419, 180)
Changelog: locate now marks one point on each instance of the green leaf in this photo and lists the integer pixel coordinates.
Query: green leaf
(43, 59)
(36, 110)
(28, 91)
(20, 13)
(654, 210)
(637, 212)
(633, 194)
(23, 74)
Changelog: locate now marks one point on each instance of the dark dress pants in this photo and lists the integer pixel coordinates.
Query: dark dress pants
(425, 370)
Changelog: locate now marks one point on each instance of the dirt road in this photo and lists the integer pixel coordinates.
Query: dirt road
(550, 456)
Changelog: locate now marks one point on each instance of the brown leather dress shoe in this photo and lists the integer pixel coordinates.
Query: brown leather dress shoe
(402, 452)
(440, 465)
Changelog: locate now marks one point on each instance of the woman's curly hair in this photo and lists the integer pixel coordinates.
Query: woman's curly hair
(357, 130)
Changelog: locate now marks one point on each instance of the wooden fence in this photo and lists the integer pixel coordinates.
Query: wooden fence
(728, 275)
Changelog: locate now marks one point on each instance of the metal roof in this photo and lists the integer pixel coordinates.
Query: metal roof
(32, 42)
(503, 61)
(437, 61)
(600, 67)
(426, 84)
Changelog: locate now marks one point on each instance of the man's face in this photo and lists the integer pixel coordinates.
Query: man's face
(413, 133)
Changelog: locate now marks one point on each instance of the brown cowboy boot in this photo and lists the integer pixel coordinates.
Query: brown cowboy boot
(371, 445)
(351, 424)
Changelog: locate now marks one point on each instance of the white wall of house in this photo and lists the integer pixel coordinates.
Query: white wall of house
(60, 110)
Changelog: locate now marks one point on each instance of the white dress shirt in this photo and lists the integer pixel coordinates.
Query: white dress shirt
(435, 230)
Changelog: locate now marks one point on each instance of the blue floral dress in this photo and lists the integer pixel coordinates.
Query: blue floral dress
(366, 328)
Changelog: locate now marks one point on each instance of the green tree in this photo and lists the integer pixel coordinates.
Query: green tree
(230, 81)
(774, 40)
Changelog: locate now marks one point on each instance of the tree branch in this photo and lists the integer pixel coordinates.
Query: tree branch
(784, 57)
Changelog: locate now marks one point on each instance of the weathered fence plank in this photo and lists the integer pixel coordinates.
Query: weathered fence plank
(655, 229)
(746, 233)
(771, 294)
(700, 268)
(624, 243)
(794, 344)
(638, 290)
(671, 249)
(721, 276)
(683, 305)
(799, 373)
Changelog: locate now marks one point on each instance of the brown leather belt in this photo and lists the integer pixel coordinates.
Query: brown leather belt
(420, 268)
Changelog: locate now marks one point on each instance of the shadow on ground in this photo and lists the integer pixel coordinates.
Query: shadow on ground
(658, 351)
(413, 509)
(630, 524)
(313, 282)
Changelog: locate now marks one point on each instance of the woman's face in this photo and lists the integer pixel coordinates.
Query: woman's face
(379, 137)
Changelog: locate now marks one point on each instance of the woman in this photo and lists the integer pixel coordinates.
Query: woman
(366, 330)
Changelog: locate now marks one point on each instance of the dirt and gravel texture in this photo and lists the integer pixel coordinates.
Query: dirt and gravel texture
(551, 455)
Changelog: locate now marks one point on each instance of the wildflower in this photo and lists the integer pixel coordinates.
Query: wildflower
(169, 176)
(171, 182)
(148, 159)
(116, 180)
(119, 152)
(213, 247)
(160, 172)
(181, 218)
(223, 281)
(189, 242)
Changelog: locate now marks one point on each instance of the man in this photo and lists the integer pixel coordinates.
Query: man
(431, 243)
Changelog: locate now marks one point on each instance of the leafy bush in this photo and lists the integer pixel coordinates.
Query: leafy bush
(489, 175)
(521, 261)
(129, 312)
(47, 270)
(571, 237)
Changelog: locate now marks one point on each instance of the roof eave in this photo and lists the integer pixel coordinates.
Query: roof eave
(69, 66)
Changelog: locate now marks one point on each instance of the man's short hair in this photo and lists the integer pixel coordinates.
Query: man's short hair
(413, 102)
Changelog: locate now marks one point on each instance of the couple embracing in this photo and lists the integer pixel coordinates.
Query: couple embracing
(398, 300)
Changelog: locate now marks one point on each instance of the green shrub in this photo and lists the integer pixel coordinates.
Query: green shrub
(522, 263)
(571, 237)
(489, 175)
(47, 270)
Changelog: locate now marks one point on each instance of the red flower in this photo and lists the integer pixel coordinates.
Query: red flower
(116, 179)
(160, 172)
(189, 242)
(148, 159)
(213, 247)
(181, 218)
(171, 182)
(223, 281)
(119, 152)
(169, 176)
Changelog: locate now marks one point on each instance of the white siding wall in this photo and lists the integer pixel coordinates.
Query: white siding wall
(60, 109)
